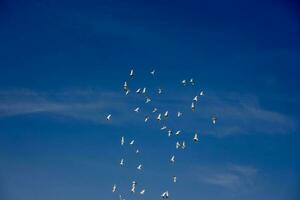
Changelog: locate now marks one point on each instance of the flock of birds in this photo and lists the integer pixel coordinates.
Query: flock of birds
(160, 116)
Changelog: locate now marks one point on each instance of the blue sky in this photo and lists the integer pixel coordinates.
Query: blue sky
(62, 67)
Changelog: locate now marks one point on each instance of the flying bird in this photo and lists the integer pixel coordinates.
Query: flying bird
(159, 117)
(169, 132)
(132, 142)
(139, 167)
(183, 145)
(114, 188)
(183, 82)
(193, 106)
(122, 140)
(196, 139)
(131, 73)
(127, 92)
(137, 109)
(146, 118)
(179, 114)
(154, 110)
(165, 195)
(125, 86)
(166, 114)
(133, 186)
(108, 117)
(178, 132)
(201, 93)
(144, 90)
(152, 72)
(148, 100)
(159, 90)
(172, 160)
(177, 145)
(137, 151)
(142, 192)
(195, 98)
(122, 162)
(214, 120)
(192, 82)
(138, 90)
(174, 179)
(163, 128)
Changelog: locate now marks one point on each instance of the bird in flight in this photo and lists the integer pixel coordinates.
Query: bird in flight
(108, 117)
(131, 73)
(196, 137)
(139, 167)
(165, 195)
(174, 179)
(122, 140)
(172, 160)
(193, 106)
(137, 109)
(114, 188)
(142, 192)
(152, 72)
(214, 120)
(122, 162)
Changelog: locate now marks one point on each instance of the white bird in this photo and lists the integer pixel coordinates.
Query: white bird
(159, 90)
(148, 100)
(183, 82)
(144, 90)
(172, 160)
(195, 98)
(125, 86)
(138, 90)
(192, 81)
(154, 110)
(159, 117)
(137, 109)
(169, 132)
(132, 142)
(146, 118)
(166, 114)
(178, 132)
(122, 162)
(193, 106)
(139, 167)
(142, 192)
(131, 73)
(179, 114)
(177, 145)
(108, 117)
(133, 186)
(163, 128)
(196, 139)
(127, 92)
(122, 140)
(174, 179)
(114, 188)
(165, 195)
(201, 93)
(137, 151)
(153, 72)
(183, 145)
(214, 120)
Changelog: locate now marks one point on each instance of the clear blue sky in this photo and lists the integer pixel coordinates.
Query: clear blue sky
(62, 67)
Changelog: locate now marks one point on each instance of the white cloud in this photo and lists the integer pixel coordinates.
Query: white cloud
(237, 178)
(237, 114)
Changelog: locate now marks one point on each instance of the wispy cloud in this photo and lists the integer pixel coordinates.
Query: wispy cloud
(237, 114)
(79, 104)
(231, 176)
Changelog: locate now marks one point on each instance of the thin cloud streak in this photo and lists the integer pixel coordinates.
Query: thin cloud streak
(237, 114)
